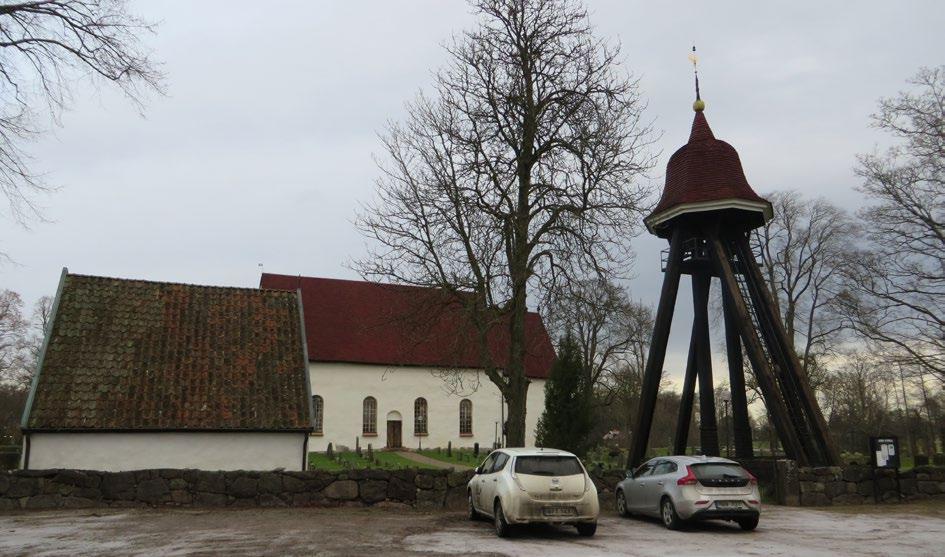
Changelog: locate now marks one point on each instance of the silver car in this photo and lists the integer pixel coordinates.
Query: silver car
(678, 489)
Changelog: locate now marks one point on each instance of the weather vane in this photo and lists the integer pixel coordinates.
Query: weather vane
(699, 104)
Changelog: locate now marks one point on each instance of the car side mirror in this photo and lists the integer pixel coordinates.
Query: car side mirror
(478, 470)
(629, 474)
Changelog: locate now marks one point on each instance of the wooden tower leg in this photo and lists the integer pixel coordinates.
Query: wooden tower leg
(756, 355)
(681, 439)
(653, 371)
(708, 427)
(818, 425)
(741, 426)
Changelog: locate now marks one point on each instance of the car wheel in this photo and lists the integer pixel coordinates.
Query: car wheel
(501, 526)
(748, 524)
(622, 508)
(668, 513)
(586, 529)
(472, 512)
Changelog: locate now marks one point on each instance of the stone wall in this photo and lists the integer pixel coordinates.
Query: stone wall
(854, 485)
(606, 482)
(777, 479)
(9, 460)
(50, 489)
(423, 489)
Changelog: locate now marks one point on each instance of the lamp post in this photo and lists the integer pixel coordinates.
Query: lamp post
(726, 397)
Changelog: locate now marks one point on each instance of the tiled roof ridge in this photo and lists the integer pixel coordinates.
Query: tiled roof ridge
(187, 284)
(369, 282)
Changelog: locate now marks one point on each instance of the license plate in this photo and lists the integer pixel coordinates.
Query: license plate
(559, 511)
(728, 504)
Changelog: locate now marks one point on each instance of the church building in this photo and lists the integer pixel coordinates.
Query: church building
(397, 366)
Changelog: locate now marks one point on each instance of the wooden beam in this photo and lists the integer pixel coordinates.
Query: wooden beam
(708, 426)
(808, 399)
(681, 438)
(653, 371)
(741, 425)
(756, 355)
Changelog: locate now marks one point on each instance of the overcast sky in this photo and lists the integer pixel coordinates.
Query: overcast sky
(262, 149)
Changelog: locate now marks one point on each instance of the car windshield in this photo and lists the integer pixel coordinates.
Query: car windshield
(711, 471)
(548, 465)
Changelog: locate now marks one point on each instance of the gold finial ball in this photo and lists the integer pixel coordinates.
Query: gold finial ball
(699, 105)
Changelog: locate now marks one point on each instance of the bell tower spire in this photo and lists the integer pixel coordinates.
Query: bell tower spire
(699, 104)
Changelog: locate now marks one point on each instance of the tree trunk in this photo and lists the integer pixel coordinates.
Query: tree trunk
(905, 407)
(928, 414)
(515, 420)
(517, 392)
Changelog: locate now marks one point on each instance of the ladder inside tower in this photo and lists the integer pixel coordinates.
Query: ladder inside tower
(774, 354)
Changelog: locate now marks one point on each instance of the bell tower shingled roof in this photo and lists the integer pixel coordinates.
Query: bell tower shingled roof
(705, 175)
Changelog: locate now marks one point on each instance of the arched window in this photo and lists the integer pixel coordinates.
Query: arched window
(420, 416)
(465, 417)
(370, 416)
(318, 405)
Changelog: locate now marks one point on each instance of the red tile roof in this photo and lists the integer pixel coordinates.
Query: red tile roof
(373, 323)
(705, 169)
(138, 355)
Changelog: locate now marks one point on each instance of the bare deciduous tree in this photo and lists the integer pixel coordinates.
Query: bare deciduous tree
(519, 172)
(14, 340)
(39, 325)
(44, 45)
(612, 331)
(896, 294)
(803, 250)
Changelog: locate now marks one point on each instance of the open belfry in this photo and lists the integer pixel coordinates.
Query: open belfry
(707, 212)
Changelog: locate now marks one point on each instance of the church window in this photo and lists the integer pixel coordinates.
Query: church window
(370, 416)
(420, 416)
(465, 417)
(318, 405)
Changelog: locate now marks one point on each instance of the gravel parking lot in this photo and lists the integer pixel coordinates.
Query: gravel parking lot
(900, 530)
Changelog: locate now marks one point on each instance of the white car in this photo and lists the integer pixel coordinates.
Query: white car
(521, 486)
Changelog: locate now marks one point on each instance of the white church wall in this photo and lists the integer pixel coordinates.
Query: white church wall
(117, 452)
(343, 388)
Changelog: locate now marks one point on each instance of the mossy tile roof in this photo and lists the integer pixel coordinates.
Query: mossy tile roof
(138, 355)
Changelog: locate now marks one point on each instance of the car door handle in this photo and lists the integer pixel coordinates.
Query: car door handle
(495, 479)
(659, 483)
(642, 484)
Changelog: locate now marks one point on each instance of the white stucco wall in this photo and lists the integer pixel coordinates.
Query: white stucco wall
(343, 388)
(116, 452)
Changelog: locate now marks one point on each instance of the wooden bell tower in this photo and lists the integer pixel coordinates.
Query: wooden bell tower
(707, 212)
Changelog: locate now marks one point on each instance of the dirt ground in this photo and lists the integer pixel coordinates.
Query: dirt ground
(888, 530)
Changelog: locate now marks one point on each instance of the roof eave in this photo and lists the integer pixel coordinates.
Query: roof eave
(28, 407)
(656, 219)
(168, 430)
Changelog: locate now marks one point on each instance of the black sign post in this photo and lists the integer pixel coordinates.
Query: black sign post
(884, 452)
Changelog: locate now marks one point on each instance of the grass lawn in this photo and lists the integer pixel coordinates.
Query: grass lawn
(351, 461)
(463, 457)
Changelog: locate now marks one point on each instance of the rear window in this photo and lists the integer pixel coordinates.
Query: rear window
(548, 466)
(720, 470)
